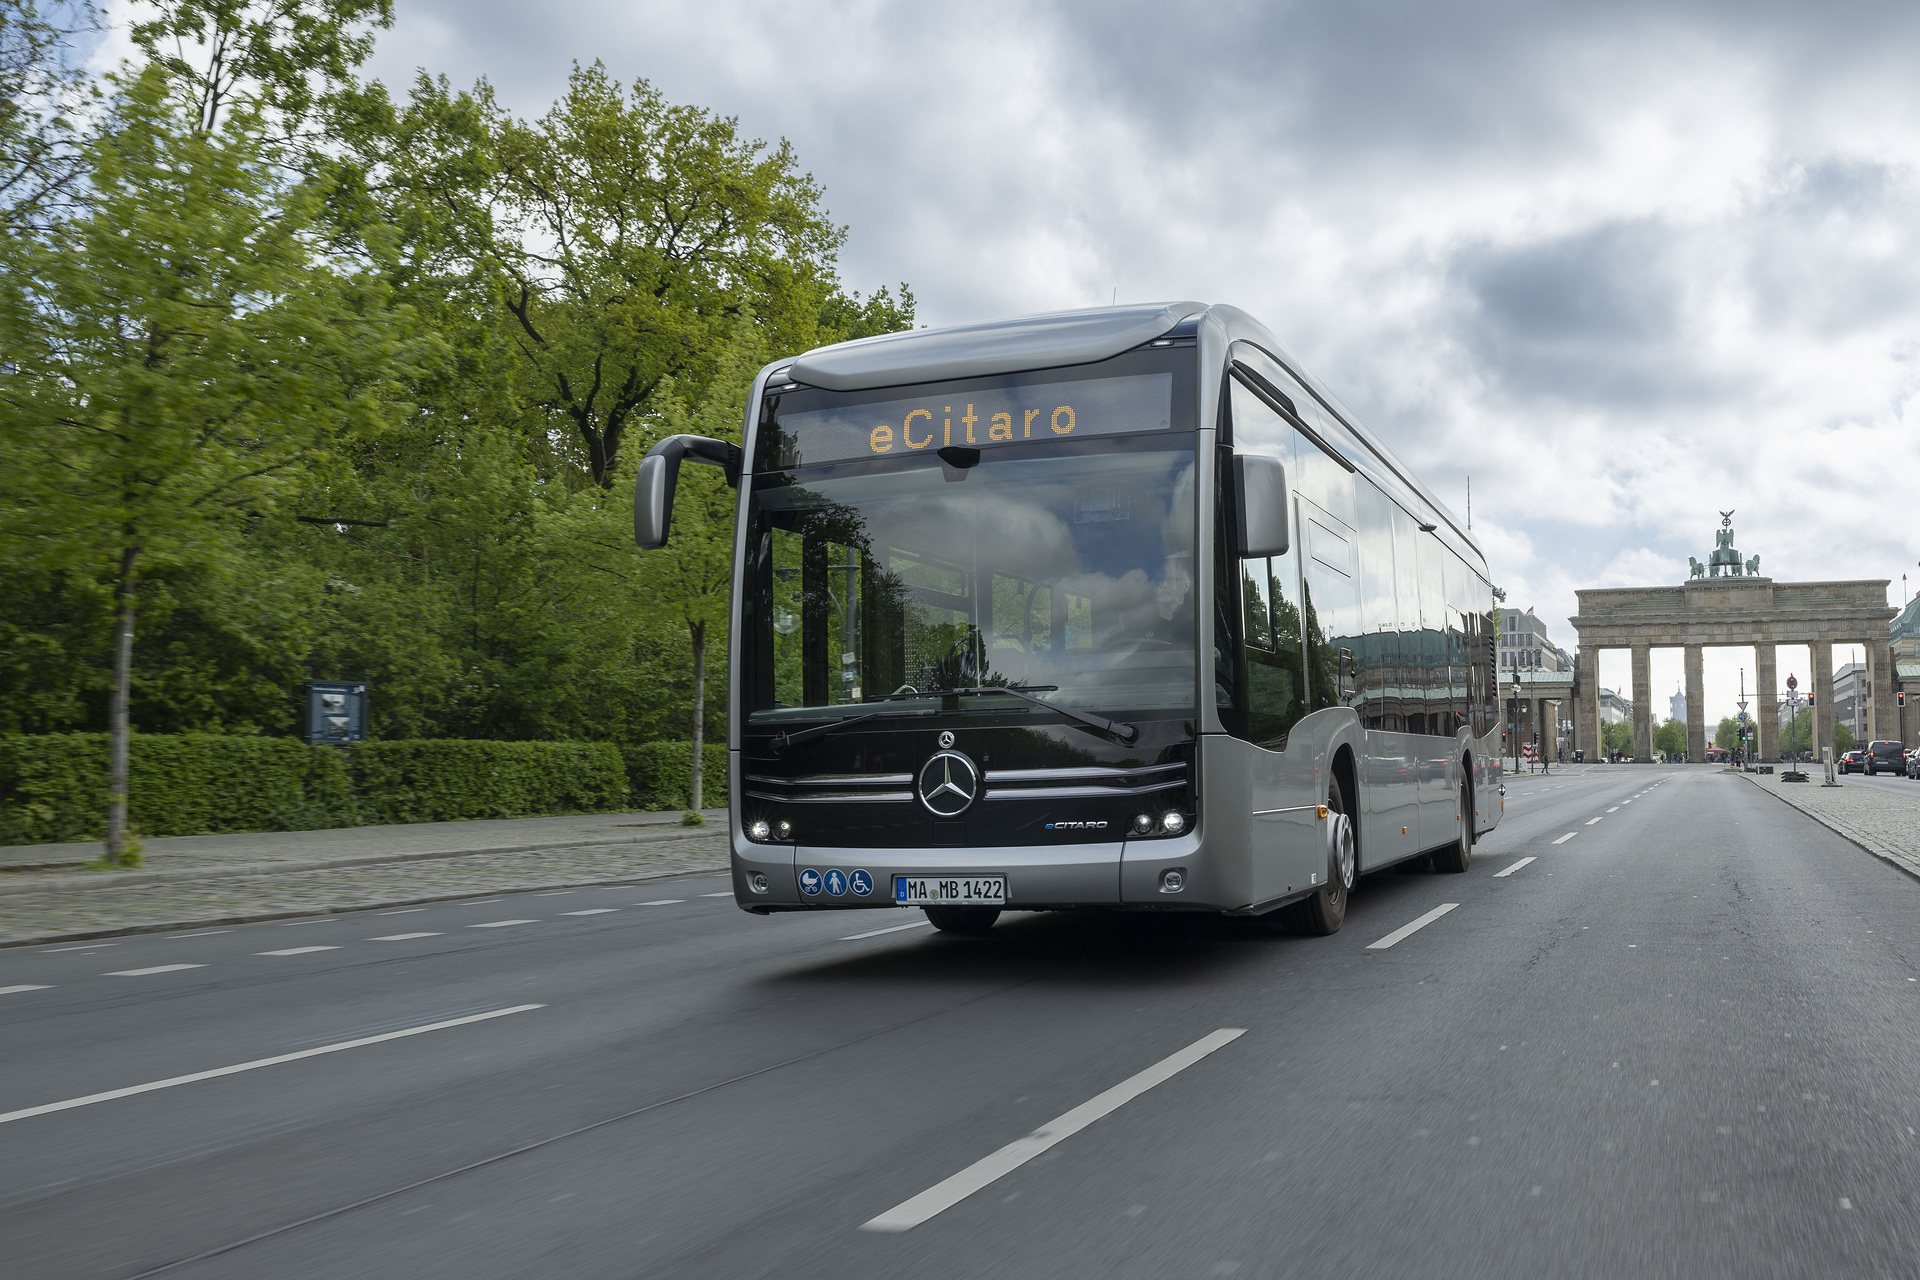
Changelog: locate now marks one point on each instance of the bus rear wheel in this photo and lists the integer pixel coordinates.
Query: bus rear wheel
(1326, 910)
(972, 921)
(1456, 856)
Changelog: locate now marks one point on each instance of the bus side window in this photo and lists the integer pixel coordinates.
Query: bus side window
(1379, 623)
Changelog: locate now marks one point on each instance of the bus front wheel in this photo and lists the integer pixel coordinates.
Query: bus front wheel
(1326, 910)
(1456, 856)
(968, 920)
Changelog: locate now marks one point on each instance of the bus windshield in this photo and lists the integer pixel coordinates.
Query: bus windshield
(1060, 565)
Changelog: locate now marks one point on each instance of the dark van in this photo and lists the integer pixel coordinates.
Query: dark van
(1890, 757)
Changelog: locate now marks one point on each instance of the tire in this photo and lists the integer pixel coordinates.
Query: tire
(1458, 856)
(969, 921)
(1326, 910)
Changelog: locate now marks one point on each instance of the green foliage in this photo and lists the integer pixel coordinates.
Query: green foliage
(1671, 738)
(197, 783)
(186, 784)
(1843, 739)
(661, 774)
(1797, 734)
(1727, 735)
(1619, 737)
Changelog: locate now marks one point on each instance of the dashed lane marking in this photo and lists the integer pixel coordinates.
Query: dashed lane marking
(942, 1196)
(404, 937)
(27, 986)
(724, 893)
(1615, 809)
(1412, 927)
(149, 1087)
(661, 902)
(158, 968)
(91, 946)
(1510, 870)
(892, 928)
(1563, 839)
(204, 933)
(294, 951)
(592, 911)
(500, 924)
(1591, 821)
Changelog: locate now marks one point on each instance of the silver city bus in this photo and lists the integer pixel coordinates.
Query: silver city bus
(1111, 609)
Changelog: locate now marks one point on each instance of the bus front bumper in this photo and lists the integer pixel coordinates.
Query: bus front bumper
(1038, 877)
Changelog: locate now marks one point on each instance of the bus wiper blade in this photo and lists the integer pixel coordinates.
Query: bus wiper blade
(787, 740)
(1121, 732)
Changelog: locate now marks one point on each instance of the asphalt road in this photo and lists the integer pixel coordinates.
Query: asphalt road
(1683, 1042)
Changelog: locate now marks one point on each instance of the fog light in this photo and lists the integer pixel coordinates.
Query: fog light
(757, 882)
(758, 830)
(783, 828)
(1142, 823)
(1173, 823)
(1173, 880)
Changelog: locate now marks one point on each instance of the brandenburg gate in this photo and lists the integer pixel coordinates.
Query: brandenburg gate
(1726, 602)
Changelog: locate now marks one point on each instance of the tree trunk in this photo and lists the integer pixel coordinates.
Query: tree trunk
(117, 715)
(699, 631)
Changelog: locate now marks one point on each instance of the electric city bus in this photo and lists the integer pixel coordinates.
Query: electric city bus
(1108, 609)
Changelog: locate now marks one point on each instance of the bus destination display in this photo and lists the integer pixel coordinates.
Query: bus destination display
(976, 419)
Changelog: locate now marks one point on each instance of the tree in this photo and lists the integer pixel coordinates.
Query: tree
(1843, 739)
(181, 354)
(40, 93)
(1618, 737)
(1671, 738)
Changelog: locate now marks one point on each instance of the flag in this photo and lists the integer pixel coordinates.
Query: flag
(1530, 607)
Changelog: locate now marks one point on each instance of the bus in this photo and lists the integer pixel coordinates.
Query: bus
(1111, 609)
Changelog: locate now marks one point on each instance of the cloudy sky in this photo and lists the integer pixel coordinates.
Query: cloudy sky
(1625, 265)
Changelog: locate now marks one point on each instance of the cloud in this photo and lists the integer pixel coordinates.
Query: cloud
(1623, 265)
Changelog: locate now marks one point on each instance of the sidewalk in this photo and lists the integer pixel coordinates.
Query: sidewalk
(203, 880)
(1884, 823)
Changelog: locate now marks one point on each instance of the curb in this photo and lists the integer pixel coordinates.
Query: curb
(160, 875)
(256, 917)
(1898, 861)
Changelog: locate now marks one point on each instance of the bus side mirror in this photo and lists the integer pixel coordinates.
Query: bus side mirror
(660, 472)
(1260, 488)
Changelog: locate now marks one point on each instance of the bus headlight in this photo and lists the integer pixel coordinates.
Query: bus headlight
(783, 829)
(1142, 824)
(758, 830)
(1173, 823)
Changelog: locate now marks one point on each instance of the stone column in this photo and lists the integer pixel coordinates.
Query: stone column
(1696, 704)
(1586, 705)
(1643, 703)
(1883, 718)
(1766, 692)
(1822, 698)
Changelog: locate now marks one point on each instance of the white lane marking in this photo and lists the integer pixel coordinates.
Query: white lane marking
(554, 893)
(477, 902)
(1615, 809)
(500, 924)
(294, 951)
(660, 902)
(7, 991)
(204, 933)
(895, 928)
(91, 946)
(404, 911)
(591, 911)
(942, 1196)
(150, 1086)
(1563, 839)
(726, 893)
(1510, 870)
(1591, 821)
(1629, 800)
(1409, 929)
(404, 937)
(159, 968)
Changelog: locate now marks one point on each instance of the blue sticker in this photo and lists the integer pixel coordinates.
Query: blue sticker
(862, 884)
(810, 882)
(836, 882)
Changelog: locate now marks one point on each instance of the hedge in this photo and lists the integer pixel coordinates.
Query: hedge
(53, 786)
(660, 774)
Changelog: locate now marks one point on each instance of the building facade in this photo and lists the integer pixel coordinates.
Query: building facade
(1526, 646)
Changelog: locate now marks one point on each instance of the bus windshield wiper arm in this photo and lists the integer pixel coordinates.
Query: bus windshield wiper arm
(1121, 732)
(786, 740)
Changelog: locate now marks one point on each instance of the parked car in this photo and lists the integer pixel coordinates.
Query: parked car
(1853, 761)
(1913, 764)
(1886, 756)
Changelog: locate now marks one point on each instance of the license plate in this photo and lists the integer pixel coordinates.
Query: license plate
(984, 891)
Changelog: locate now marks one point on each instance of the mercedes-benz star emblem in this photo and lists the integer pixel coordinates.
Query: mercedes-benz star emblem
(948, 784)
(946, 738)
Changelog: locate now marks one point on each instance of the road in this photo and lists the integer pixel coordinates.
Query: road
(1683, 1040)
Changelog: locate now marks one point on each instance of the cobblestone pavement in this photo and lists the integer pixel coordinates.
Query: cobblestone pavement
(99, 910)
(1884, 823)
